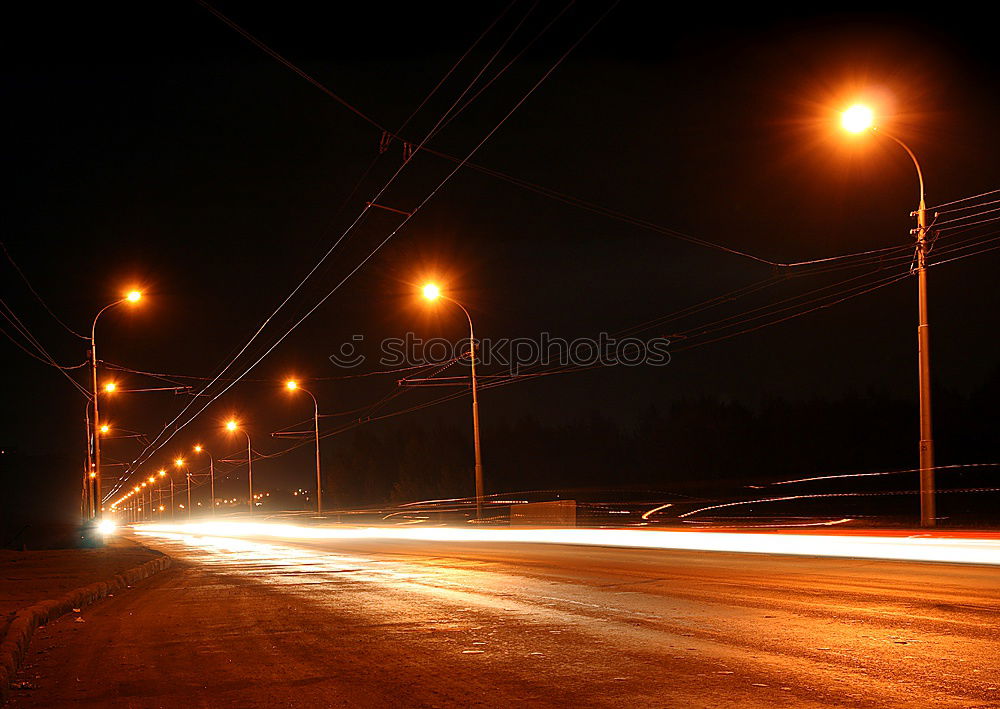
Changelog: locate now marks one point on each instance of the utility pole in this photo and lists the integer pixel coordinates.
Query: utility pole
(475, 424)
(88, 475)
(927, 488)
(95, 487)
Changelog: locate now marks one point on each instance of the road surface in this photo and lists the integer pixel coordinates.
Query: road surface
(370, 623)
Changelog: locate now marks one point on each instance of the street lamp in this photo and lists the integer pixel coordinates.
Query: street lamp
(232, 426)
(152, 479)
(179, 462)
(433, 292)
(95, 492)
(293, 385)
(162, 473)
(860, 119)
(211, 472)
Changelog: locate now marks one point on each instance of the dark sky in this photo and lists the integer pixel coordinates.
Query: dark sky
(150, 144)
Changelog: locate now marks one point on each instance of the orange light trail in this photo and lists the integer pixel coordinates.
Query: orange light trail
(925, 548)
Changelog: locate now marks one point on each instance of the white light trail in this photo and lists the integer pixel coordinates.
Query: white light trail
(963, 550)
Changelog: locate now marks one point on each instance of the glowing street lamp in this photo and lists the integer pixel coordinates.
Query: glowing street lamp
(293, 385)
(163, 473)
(857, 119)
(110, 387)
(152, 479)
(180, 464)
(95, 488)
(232, 426)
(211, 472)
(432, 292)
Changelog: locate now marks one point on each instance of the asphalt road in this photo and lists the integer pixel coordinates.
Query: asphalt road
(370, 623)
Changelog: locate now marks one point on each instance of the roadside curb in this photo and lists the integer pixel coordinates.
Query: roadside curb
(14, 647)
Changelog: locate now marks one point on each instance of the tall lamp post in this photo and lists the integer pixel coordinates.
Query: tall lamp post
(187, 471)
(162, 473)
(95, 492)
(231, 425)
(859, 119)
(432, 292)
(211, 472)
(293, 385)
(152, 480)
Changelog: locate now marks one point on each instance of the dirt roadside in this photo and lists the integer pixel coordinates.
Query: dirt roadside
(37, 587)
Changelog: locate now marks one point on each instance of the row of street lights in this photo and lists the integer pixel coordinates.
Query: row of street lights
(856, 119)
(431, 292)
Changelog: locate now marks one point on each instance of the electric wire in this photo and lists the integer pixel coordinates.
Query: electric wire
(520, 102)
(963, 199)
(36, 294)
(326, 255)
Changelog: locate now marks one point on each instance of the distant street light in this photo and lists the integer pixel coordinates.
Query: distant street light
(433, 292)
(293, 385)
(162, 473)
(95, 488)
(858, 119)
(180, 464)
(152, 479)
(211, 472)
(232, 426)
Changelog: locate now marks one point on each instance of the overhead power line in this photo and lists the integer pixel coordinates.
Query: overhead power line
(36, 294)
(428, 197)
(963, 199)
(42, 354)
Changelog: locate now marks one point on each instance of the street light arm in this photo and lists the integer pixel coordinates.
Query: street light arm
(472, 334)
(913, 157)
(93, 327)
(315, 402)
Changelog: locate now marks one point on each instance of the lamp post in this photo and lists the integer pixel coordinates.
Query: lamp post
(152, 479)
(293, 385)
(432, 292)
(858, 119)
(211, 472)
(231, 425)
(179, 464)
(95, 494)
(89, 474)
(162, 473)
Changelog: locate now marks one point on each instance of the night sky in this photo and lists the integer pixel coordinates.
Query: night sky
(149, 145)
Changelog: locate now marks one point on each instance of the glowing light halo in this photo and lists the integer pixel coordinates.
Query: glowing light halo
(857, 118)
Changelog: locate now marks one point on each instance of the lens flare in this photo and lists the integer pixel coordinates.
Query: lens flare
(857, 118)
